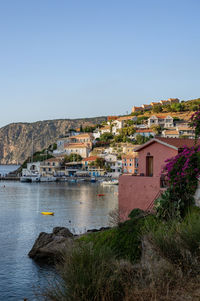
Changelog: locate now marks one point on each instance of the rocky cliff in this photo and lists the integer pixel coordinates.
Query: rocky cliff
(16, 138)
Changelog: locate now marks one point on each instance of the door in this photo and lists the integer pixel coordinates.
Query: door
(149, 166)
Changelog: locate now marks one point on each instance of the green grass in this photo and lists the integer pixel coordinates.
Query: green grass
(124, 240)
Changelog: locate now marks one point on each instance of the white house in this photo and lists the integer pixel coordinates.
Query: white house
(163, 121)
(76, 148)
(144, 132)
(114, 164)
(121, 122)
(31, 169)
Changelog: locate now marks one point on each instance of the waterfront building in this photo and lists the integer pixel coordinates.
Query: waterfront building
(140, 191)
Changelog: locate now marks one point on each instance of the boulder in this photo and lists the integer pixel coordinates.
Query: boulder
(49, 247)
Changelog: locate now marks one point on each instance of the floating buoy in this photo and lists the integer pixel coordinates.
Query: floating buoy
(47, 213)
(100, 194)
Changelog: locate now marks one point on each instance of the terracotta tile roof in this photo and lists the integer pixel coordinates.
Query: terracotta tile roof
(53, 160)
(155, 103)
(106, 127)
(130, 156)
(171, 132)
(92, 158)
(175, 143)
(144, 131)
(74, 145)
(178, 142)
(125, 118)
(84, 135)
(185, 128)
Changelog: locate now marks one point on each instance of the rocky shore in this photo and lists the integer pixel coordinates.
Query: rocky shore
(49, 247)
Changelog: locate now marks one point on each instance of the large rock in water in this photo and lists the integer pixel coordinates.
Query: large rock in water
(49, 247)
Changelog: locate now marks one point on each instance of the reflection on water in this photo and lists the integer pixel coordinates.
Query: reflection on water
(21, 221)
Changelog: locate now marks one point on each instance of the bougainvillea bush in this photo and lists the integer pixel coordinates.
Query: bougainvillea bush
(195, 123)
(182, 172)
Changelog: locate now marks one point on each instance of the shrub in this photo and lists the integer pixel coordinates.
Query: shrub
(178, 241)
(91, 274)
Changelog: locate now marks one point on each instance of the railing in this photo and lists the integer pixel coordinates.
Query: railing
(150, 206)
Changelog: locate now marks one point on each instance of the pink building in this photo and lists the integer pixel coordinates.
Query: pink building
(140, 191)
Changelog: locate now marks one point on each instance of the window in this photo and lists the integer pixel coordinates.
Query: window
(130, 164)
(136, 162)
(130, 170)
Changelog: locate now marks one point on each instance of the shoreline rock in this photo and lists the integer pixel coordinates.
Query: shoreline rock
(49, 247)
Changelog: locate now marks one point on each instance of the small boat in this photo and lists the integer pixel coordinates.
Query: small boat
(93, 180)
(100, 194)
(112, 182)
(47, 213)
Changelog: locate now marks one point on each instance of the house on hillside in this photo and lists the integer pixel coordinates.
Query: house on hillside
(154, 104)
(147, 107)
(165, 102)
(141, 191)
(173, 100)
(76, 148)
(144, 132)
(162, 120)
(50, 167)
(114, 164)
(172, 133)
(137, 109)
(121, 122)
(130, 163)
(91, 168)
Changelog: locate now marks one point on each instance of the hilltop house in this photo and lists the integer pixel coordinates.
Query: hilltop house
(165, 102)
(136, 109)
(154, 104)
(147, 107)
(163, 121)
(173, 100)
(141, 191)
(121, 122)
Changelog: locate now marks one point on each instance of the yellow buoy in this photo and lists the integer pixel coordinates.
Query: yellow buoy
(47, 213)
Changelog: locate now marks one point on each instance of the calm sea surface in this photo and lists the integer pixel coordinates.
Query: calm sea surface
(21, 222)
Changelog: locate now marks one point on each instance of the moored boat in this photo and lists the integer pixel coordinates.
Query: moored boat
(111, 182)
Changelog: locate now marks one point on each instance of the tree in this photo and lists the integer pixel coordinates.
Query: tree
(157, 109)
(106, 137)
(156, 129)
(72, 158)
(100, 162)
(177, 107)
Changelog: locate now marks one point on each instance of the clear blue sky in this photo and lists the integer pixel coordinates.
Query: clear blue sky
(83, 58)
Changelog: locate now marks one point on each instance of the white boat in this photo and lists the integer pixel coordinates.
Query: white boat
(48, 179)
(30, 178)
(111, 182)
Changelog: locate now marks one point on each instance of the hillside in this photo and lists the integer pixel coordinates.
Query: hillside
(16, 138)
